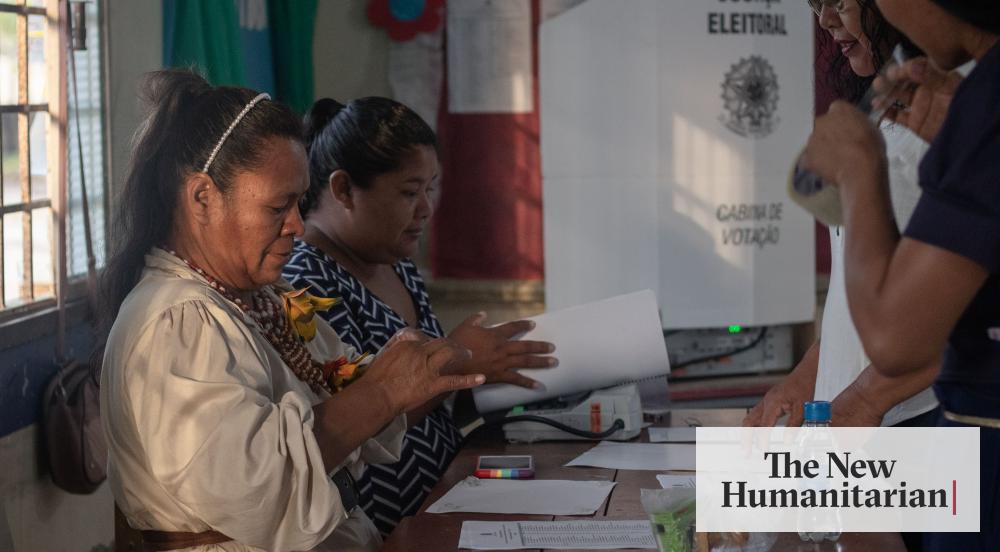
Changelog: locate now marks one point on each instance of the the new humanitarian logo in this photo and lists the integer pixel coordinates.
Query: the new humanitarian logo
(750, 98)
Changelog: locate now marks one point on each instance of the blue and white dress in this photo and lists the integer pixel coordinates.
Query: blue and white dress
(388, 491)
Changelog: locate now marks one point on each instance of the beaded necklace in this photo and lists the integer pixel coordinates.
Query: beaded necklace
(278, 331)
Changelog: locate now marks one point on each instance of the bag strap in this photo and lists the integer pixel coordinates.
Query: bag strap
(85, 200)
(85, 204)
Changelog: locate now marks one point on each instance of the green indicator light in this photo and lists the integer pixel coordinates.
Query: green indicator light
(735, 329)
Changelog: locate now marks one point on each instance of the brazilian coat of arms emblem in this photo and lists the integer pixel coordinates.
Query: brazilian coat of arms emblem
(750, 98)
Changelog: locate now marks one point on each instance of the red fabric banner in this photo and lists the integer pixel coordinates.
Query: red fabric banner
(488, 225)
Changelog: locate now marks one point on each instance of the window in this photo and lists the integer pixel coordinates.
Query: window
(39, 161)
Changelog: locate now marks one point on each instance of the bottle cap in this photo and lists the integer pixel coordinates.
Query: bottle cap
(817, 411)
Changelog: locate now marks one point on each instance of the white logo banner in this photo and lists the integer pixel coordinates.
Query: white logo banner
(668, 129)
(883, 479)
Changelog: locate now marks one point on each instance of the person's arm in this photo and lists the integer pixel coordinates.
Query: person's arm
(218, 439)
(905, 296)
(906, 301)
(869, 397)
(495, 354)
(788, 396)
(405, 375)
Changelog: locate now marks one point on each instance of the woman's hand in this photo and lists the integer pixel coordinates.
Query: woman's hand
(924, 93)
(787, 397)
(845, 147)
(496, 354)
(412, 370)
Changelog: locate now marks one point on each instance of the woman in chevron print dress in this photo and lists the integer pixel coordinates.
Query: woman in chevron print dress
(374, 172)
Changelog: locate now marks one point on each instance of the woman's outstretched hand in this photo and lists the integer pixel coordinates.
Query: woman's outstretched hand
(496, 354)
(412, 369)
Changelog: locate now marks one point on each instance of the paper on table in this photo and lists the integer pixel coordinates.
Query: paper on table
(637, 456)
(668, 481)
(511, 496)
(579, 535)
(671, 434)
(590, 357)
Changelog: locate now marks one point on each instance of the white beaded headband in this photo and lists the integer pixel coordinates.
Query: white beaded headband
(246, 109)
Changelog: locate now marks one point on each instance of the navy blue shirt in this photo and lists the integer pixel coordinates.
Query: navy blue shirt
(960, 211)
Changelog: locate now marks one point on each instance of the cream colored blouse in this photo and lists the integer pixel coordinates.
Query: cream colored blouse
(207, 428)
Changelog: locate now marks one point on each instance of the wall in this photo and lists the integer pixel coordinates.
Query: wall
(34, 514)
(350, 56)
(135, 46)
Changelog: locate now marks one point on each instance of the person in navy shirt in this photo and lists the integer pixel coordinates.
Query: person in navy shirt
(935, 290)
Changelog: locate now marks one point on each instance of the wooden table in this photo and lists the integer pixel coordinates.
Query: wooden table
(440, 532)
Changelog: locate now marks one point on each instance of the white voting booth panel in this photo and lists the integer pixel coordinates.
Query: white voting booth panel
(668, 128)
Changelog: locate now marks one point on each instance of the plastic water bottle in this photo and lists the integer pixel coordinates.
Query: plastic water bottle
(817, 524)
(817, 414)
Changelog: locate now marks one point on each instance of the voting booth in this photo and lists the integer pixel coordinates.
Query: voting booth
(668, 128)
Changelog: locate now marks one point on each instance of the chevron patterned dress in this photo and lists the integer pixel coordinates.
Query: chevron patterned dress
(388, 492)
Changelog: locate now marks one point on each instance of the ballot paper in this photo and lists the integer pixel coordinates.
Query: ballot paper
(668, 481)
(533, 496)
(671, 434)
(637, 456)
(601, 344)
(578, 535)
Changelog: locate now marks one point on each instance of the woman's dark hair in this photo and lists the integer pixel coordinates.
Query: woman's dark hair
(882, 36)
(366, 138)
(186, 118)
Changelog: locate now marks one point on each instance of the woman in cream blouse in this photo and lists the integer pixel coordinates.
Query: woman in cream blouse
(230, 426)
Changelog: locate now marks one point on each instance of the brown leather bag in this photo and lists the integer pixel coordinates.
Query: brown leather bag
(74, 440)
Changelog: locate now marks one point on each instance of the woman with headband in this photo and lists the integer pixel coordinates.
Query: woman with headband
(936, 288)
(234, 421)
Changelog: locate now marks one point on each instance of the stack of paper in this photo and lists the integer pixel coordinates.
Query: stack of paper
(588, 359)
(637, 456)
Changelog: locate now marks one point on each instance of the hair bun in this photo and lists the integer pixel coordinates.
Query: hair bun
(171, 86)
(319, 115)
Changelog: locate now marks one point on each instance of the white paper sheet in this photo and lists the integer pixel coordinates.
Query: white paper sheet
(671, 435)
(602, 344)
(489, 57)
(637, 456)
(513, 496)
(669, 481)
(579, 535)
